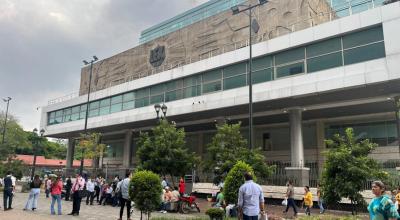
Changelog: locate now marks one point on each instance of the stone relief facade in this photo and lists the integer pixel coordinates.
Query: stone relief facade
(215, 35)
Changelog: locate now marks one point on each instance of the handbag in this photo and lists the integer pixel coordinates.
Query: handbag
(284, 202)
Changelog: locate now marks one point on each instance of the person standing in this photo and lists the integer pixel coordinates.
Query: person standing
(320, 200)
(182, 186)
(250, 199)
(55, 191)
(290, 198)
(47, 183)
(9, 186)
(90, 192)
(68, 187)
(97, 185)
(381, 207)
(78, 185)
(164, 183)
(308, 202)
(123, 188)
(33, 194)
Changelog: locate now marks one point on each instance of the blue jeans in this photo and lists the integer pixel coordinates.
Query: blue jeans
(321, 205)
(53, 200)
(290, 203)
(33, 198)
(246, 217)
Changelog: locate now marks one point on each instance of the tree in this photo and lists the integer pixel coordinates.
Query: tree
(15, 135)
(164, 152)
(227, 148)
(234, 180)
(91, 146)
(347, 168)
(145, 190)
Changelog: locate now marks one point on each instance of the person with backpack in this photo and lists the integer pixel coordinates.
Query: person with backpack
(33, 194)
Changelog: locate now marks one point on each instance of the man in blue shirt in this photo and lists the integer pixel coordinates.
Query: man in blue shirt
(9, 185)
(251, 199)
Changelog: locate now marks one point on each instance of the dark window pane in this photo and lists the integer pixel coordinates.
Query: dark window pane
(141, 102)
(212, 75)
(157, 89)
(52, 115)
(94, 105)
(116, 99)
(67, 118)
(157, 99)
(360, 54)
(324, 62)
(235, 69)
(363, 37)
(289, 70)
(128, 105)
(174, 95)
(58, 120)
(67, 111)
(128, 96)
(51, 121)
(76, 109)
(261, 75)
(116, 107)
(262, 63)
(142, 93)
(235, 82)
(191, 81)
(211, 87)
(190, 92)
(59, 113)
(324, 47)
(289, 56)
(173, 85)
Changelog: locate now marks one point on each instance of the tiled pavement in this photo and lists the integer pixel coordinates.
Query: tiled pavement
(106, 212)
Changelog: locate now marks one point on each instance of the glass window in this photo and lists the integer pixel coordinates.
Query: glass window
(67, 111)
(67, 118)
(129, 96)
(157, 99)
(261, 75)
(142, 93)
(58, 120)
(116, 99)
(94, 105)
(59, 113)
(93, 113)
(212, 75)
(289, 56)
(324, 47)
(83, 107)
(157, 89)
(288, 70)
(261, 63)
(52, 115)
(104, 110)
(173, 85)
(192, 91)
(363, 37)
(116, 107)
(76, 109)
(211, 87)
(324, 62)
(173, 95)
(51, 121)
(82, 115)
(75, 116)
(128, 105)
(141, 102)
(191, 81)
(235, 82)
(234, 70)
(360, 54)
(105, 102)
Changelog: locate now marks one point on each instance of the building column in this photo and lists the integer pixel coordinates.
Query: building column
(297, 172)
(320, 129)
(127, 157)
(397, 114)
(70, 156)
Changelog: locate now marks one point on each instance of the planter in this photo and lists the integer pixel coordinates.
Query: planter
(215, 213)
(209, 199)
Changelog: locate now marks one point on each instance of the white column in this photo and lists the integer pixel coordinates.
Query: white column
(127, 156)
(320, 128)
(296, 138)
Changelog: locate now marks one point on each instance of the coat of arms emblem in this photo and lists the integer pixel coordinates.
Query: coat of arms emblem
(157, 56)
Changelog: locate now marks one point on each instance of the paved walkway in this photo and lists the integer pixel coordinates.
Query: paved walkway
(111, 213)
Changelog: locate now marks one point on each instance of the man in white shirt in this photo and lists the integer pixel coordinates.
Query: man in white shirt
(123, 189)
(78, 185)
(90, 192)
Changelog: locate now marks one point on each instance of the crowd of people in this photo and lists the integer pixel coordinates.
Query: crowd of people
(115, 193)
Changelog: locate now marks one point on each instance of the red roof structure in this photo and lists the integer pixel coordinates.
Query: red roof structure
(41, 161)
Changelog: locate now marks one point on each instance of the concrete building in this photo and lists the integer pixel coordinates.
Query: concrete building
(318, 67)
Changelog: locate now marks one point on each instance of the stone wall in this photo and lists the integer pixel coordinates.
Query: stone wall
(212, 36)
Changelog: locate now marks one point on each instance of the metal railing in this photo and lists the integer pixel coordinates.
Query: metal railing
(279, 31)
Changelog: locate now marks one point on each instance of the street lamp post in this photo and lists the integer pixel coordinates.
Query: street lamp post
(163, 108)
(87, 106)
(35, 145)
(5, 120)
(253, 26)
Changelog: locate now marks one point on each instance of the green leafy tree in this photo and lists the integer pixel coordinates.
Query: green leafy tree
(15, 135)
(90, 145)
(347, 168)
(17, 167)
(164, 152)
(145, 190)
(235, 179)
(227, 148)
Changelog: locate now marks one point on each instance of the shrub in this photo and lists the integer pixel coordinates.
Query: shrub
(215, 213)
(145, 190)
(234, 180)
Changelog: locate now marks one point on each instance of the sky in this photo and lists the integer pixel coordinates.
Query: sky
(43, 43)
